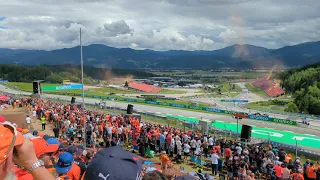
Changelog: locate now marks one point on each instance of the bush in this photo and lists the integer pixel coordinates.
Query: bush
(150, 98)
(292, 108)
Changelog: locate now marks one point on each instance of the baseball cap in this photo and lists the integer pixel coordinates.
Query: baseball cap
(72, 149)
(35, 133)
(114, 163)
(53, 141)
(42, 147)
(64, 163)
(9, 137)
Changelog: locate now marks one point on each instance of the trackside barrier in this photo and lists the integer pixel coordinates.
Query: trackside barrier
(205, 109)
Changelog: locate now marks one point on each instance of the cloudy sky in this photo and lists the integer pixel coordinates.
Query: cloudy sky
(158, 24)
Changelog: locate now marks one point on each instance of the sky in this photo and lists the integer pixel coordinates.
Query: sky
(158, 24)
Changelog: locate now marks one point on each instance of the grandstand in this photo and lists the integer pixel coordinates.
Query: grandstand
(144, 88)
(269, 87)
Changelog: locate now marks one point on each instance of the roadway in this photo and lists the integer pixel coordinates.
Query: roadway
(176, 111)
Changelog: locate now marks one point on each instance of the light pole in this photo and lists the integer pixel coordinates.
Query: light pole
(296, 147)
(237, 127)
(84, 126)
(214, 127)
(225, 131)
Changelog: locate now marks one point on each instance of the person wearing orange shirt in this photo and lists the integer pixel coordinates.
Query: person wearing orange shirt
(165, 161)
(66, 168)
(297, 176)
(311, 172)
(278, 170)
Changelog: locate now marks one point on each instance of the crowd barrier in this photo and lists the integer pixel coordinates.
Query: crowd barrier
(183, 106)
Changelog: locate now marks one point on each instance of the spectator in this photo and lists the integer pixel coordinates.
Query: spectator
(28, 121)
(214, 161)
(12, 140)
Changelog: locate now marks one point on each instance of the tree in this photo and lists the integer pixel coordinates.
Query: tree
(291, 107)
(54, 78)
(126, 84)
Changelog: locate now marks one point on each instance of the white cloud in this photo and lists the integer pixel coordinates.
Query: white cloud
(158, 24)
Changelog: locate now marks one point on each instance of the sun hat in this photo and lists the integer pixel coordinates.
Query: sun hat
(9, 138)
(42, 147)
(114, 163)
(64, 163)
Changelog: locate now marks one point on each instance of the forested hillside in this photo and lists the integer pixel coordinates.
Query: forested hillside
(304, 84)
(58, 73)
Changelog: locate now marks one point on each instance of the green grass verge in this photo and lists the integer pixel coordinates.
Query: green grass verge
(271, 105)
(28, 87)
(256, 90)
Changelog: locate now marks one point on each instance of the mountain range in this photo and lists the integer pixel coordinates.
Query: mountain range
(236, 56)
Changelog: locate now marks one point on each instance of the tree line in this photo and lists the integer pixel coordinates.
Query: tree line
(304, 84)
(58, 73)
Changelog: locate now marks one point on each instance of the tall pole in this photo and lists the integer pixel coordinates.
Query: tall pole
(237, 127)
(84, 126)
(296, 147)
(81, 70)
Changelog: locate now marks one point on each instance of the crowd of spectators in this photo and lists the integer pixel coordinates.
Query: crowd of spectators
(92, 145)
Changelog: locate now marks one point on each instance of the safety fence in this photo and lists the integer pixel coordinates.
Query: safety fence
(184, 106)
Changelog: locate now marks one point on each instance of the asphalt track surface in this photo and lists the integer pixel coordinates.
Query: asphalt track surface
(286, 132)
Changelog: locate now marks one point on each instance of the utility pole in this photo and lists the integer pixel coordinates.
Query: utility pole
(85, 124)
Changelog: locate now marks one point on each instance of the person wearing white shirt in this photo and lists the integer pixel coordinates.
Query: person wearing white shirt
(214, 160)
(239, 150)
(198, 147)
(186, 150)
(28, 120)
(205, 139)
(172, 144)
(179, 148)
(34, 113)
(94, 138)
(193, 143)
(185, 138)
(210, 143)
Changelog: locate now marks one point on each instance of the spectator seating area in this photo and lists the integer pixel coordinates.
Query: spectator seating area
(145, 88)
(271, 89)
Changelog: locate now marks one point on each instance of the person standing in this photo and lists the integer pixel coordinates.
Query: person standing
(43, 123)
(214, 160)
(28, 120)
(56, 131)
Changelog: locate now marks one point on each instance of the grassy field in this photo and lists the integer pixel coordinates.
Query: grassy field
(256, 90)
(277, 106)
(226, 89)
(27, 86)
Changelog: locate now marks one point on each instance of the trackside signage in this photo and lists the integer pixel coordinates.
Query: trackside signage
(208, 109)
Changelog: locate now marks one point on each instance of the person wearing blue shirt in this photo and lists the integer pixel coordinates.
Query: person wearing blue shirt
(162, 142)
